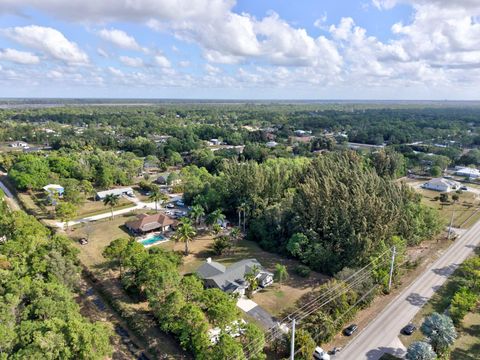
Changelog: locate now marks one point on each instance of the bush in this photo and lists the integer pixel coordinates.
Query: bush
(303, 270)
(463, 301)
(221, 244)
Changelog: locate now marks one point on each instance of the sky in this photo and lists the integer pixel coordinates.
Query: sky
(241, 49)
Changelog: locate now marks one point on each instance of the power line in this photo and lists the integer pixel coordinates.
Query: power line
(313, 305)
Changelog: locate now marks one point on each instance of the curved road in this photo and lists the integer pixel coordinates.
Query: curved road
(381, 335)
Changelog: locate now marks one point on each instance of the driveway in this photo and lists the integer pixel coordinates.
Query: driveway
(381, 335)
(257, 312)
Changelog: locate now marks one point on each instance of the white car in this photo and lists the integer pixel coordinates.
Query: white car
(320, 354)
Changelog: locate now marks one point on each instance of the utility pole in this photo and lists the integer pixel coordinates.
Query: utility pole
(292, 346)
(451, 222)
(391, 268)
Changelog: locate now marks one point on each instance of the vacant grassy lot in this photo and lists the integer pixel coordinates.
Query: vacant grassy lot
(465, 209)
(90, 207)
(100, 234)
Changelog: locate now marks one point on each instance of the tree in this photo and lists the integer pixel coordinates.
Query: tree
(235, 235)
(111, 200)
(253, 341)
(463, 301)
(420, 350)
(196, 213)
(185, 233)
(215, 217)
(435, 171)
(116, 251)
(226, 348)
(440, 332)
(66, 212)
(443, 197)
(304, 345)
(220, 244)
(252, 280)
(157, 196)
(220, 307)
(281, 273)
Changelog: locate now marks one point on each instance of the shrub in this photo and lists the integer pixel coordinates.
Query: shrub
(302, 270)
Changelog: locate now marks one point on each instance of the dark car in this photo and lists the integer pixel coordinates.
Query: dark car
(464, 188)
(83, 241)
(350, 330)
(409, 329)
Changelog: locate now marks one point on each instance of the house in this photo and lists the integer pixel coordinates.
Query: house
(19, 144)
(302, 132)
(147, 223)
(163, 179)
(232, 279)
(471, 173)
(215, 141)
(441, 184)
(120, 192)
(51, 189)
(271, 144)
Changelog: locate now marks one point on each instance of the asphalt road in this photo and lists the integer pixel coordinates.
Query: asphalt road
(381, 335)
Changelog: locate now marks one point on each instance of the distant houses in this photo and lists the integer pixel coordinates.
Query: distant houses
(19, 144)
(148, 223)
(470, 173)
(51, 189)
(232, 279)
(119, 191)
(442, 184)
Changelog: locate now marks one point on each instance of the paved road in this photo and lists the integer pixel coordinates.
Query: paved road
(381, 335)
(10, 198)
(256, 311)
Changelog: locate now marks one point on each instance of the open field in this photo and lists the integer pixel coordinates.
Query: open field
(465, 210)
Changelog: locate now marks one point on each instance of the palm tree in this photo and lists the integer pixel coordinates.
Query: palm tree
(196, 213)
(251, 279)
(157, 196)
(242, 210)
(111, 200)
(215, 217)
(235, 234)
(281, 273)
(185, 233)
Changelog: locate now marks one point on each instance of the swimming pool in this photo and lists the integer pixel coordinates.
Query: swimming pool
(157, 238)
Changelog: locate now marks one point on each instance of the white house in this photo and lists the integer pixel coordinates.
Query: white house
(120, 192)
(19, 144)
(471, 173)
(441, 184)
(271, 144)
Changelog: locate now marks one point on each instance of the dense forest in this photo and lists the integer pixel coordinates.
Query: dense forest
(39, 318)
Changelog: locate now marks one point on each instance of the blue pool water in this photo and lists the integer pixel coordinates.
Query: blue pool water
(152, 240)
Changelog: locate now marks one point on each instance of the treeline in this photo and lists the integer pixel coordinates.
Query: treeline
(331, 212)
(84, 169)
(39, 318)
(182, 306)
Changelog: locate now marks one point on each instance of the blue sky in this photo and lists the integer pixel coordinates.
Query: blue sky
(250, 49)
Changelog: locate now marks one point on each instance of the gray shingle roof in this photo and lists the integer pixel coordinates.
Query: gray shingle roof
(230, 278)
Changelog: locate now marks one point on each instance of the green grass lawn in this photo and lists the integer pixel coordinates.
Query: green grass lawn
(465, 209)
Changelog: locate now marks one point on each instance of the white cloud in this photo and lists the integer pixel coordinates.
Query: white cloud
(120, 38)
(184, 63)
(212, 70)
(132, 61)
(49, 41)
(162, 61)
(19, 57)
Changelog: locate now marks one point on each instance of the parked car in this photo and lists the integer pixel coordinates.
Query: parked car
(320, 354)
(463, 188)
(83, 241)
(409, 329)
(180, 203)
(350, 330)
(170, 206)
